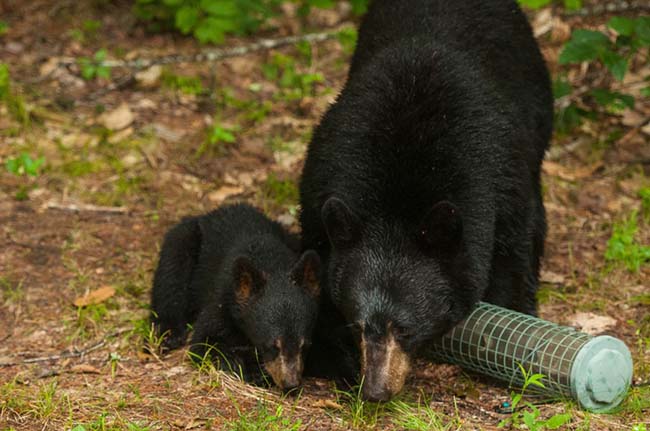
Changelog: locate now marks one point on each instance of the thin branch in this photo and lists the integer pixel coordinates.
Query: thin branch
(65, 355)
(77, 208)
(611, 7)
(215, 54)
(633, 132)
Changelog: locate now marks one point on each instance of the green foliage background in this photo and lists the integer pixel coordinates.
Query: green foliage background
(211, 20)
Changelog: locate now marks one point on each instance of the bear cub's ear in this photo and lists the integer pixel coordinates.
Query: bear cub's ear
(342, 226)
(305, 273)
(442, 228)
(249, 281)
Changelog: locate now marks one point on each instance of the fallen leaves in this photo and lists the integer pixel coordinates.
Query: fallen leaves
(326, 404)
(557, 170)
(591, 323)
(95, 297)
(117, 119)
(149, 78)
(224, 192)
(84, 369)
(550, 277)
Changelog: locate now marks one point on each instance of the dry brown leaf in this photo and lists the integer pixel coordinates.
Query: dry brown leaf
(557, 170)
(95, 297)
(117, 119)
(149, 78)
(327, 404)
(550, 277)
(84, 369)
(224, 192)
(591, 323)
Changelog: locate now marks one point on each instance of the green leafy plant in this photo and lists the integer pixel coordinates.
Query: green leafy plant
(623, 247)
(536, 4)
(632, 34)
(24, 165)
(190, 85)
(88, 30)
(94, 67)
(614, 49)
(218, 136)
(348, 39)
(4, 28)
(358, 6)
(209, 21)
(13, 101)
(294, 85)
(529, 416)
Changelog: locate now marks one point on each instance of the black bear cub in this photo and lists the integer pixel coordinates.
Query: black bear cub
(421, 187)
(237, 278)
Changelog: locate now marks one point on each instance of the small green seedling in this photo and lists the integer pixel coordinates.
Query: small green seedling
(530, 414)
(114, 359)
(217, 138)
(94, 67)
(4, 28)
(24, 165)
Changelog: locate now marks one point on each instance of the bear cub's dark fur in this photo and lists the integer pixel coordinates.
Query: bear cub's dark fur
(421, 187)
(237, 278)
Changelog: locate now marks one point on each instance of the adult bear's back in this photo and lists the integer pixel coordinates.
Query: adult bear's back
(495, 32)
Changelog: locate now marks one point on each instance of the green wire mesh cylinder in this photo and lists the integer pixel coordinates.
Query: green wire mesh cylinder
(596, 371)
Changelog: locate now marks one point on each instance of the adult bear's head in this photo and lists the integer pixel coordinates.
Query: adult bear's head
(394, 284)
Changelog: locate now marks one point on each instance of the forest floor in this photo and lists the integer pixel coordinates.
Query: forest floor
(126, 156)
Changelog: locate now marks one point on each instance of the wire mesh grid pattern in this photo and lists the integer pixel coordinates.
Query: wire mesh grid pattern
(494, 341)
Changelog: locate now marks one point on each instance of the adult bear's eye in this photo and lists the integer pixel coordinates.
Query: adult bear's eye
(401, 332)
(271, 351)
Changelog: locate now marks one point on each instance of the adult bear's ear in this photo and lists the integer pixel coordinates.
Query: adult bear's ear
(249, 281)
(306, 271)
(341, 225)
(441, 229)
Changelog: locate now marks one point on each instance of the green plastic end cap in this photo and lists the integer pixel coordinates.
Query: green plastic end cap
(601, 374)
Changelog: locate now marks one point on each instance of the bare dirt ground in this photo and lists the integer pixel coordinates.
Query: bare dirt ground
(131, 154)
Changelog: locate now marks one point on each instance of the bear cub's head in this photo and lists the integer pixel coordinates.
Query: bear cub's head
(276, 308)
(395, 283)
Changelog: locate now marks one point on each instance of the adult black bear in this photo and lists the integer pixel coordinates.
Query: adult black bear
(235, 275)
(421, 187)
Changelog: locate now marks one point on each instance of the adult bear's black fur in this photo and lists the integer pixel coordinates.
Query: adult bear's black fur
(236, 276)
(421, 187)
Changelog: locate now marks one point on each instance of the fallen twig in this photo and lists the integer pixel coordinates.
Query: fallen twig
(633, 132)
(611, 7)
(215, 54)
(85, 208)
(65, 355)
